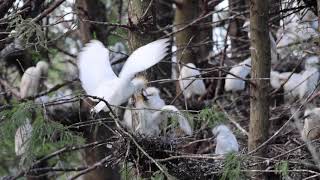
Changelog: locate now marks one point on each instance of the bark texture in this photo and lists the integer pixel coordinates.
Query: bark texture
(261, 62)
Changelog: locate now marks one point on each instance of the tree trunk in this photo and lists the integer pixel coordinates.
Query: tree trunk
(96, 11)
(261, 63)
(239, 38)
(145, 18)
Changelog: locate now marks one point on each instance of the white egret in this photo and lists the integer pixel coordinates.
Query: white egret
(310, 77)
(98, 79)
(189, 83)
(311, 128)
(143, 106)
(300, 84)
(22, 137)
(170, 111)
(225, 139)
(241, 70)
(31, 78)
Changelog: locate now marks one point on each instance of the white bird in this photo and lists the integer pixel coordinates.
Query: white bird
(31, 78)
(311, 128)
(300, 84)
(22, 137)
(225, 139)
(310, 77)
(142, 109)
(189, 83)
(161, 118)
(98, 79)
(241, 70)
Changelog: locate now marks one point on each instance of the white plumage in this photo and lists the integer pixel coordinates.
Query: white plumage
(21, 139)
(170, 111)
(226, 141)
(189, 83)
(138, 117)
(98, 79)
(31, 78)
(311, 128)
(241, 70)
(299, 85)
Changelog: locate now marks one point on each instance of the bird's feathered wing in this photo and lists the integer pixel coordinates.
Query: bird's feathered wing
(94, 66)
(144, 57)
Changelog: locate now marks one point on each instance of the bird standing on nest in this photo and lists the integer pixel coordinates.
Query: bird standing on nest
(98, 79)
(225, 139)
(189, 81)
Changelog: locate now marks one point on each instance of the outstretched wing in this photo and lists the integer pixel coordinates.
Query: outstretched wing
(144, 57)
(94, 66)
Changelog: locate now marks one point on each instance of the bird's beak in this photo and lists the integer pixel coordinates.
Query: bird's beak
(144, 95)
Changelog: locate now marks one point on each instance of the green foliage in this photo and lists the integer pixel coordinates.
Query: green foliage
(283, 168)
(29, 31)
(232, 167)
(46, 136)
(212, 117)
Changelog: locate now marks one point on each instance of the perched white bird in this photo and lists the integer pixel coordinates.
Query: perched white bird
(189, 83)
(21, 139)
(241, 70)
(118, 52)
(311, 128)
(31, 78)
(160, 118)
(154, 101)
(299, 85)
(98, 79)
(225, 139)
(310, 77)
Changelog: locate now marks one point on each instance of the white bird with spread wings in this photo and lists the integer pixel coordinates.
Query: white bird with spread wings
(98, 79)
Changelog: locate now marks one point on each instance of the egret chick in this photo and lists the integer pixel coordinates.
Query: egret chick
(98, 79)
(169, 111)
(189, 83)
(275, 79)
(310, 77)
(241, 70)
(31, 79)
(21, 139)
(311, 128)
(226, 141)
(144, 106)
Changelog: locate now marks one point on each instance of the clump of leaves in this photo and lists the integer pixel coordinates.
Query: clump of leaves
(232, 167)
(283, 168)
(29, 31)
(211, 117)
(46, 135)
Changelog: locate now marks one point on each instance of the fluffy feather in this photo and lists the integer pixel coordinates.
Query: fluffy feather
(311, 128)
(242, 70)
(186, 77)
(225, 139)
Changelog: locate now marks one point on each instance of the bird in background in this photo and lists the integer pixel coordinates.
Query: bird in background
(311, 128)
(189, 81)
(22, 136)
(226, 142)
(98, 79)
(31, 79)
(241, 70)
(300, 84)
